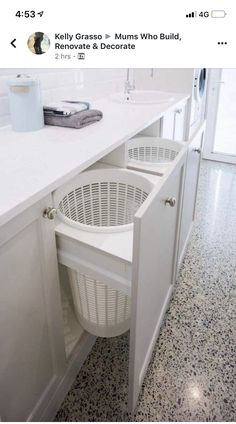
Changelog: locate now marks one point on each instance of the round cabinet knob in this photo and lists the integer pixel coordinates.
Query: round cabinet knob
(171, 201)
(49, 213)
(197, 150)
(178, 111)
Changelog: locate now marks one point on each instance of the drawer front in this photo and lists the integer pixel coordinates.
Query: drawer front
(156, 231)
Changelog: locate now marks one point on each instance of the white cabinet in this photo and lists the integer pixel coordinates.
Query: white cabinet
(174, 123)
(34, 371)
(31, 349)
(190, 190)
(140, 262)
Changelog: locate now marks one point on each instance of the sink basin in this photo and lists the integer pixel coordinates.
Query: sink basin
(141, 97)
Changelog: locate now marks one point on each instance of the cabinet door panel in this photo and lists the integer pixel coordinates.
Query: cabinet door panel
(190, 190)
(179, 125)
(156, 231)
(168, 125)
(31, 349)
(173, 124)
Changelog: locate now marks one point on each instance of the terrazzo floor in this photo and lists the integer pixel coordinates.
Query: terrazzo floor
(192, 375)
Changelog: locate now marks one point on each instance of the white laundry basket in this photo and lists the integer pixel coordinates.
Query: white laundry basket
(153, 150)
(104, 200)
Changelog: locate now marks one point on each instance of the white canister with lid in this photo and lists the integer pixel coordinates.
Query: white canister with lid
(25, 103)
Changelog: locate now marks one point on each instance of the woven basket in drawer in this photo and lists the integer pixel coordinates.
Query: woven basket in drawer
(153, 150)
(103, 201)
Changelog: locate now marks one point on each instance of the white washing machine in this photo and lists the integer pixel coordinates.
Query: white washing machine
(198, 98)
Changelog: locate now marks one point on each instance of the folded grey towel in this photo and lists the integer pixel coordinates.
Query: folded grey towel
(65, 107)
(77, 120)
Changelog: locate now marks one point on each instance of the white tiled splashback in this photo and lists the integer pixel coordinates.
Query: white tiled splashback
(62, 84)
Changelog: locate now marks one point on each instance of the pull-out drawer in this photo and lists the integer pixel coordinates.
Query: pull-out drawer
(141, 262)
(108, 255)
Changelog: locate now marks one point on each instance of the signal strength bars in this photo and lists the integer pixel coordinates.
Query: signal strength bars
(191, 15)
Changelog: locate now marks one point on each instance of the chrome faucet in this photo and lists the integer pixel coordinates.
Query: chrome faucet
(128, 85)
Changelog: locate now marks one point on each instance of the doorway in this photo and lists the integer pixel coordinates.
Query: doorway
(220, 141)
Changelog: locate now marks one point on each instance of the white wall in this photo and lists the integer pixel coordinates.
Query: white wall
(87, 84)
(64, 84)
(176, 80)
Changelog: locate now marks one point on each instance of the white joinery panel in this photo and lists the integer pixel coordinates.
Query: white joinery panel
(168, 125)
(180, 123)
(156, 231)
(32, 352)
(174, 123)
(118, 157)
(190, 190)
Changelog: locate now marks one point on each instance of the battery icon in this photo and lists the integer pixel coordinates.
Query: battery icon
(218, 14)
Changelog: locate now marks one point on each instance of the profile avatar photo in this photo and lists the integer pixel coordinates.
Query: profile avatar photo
(38, 43)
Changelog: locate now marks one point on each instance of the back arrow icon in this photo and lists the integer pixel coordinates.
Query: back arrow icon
(13, 43)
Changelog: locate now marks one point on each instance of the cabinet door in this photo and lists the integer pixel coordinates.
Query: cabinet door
(168, 125)
(190, 190)
(156, 231)
(31, 349)
(173, 124)
(180, 123)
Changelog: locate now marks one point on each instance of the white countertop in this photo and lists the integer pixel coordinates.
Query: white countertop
(33, 164)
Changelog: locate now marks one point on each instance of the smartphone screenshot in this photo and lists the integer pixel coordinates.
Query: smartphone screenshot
(118, 211)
